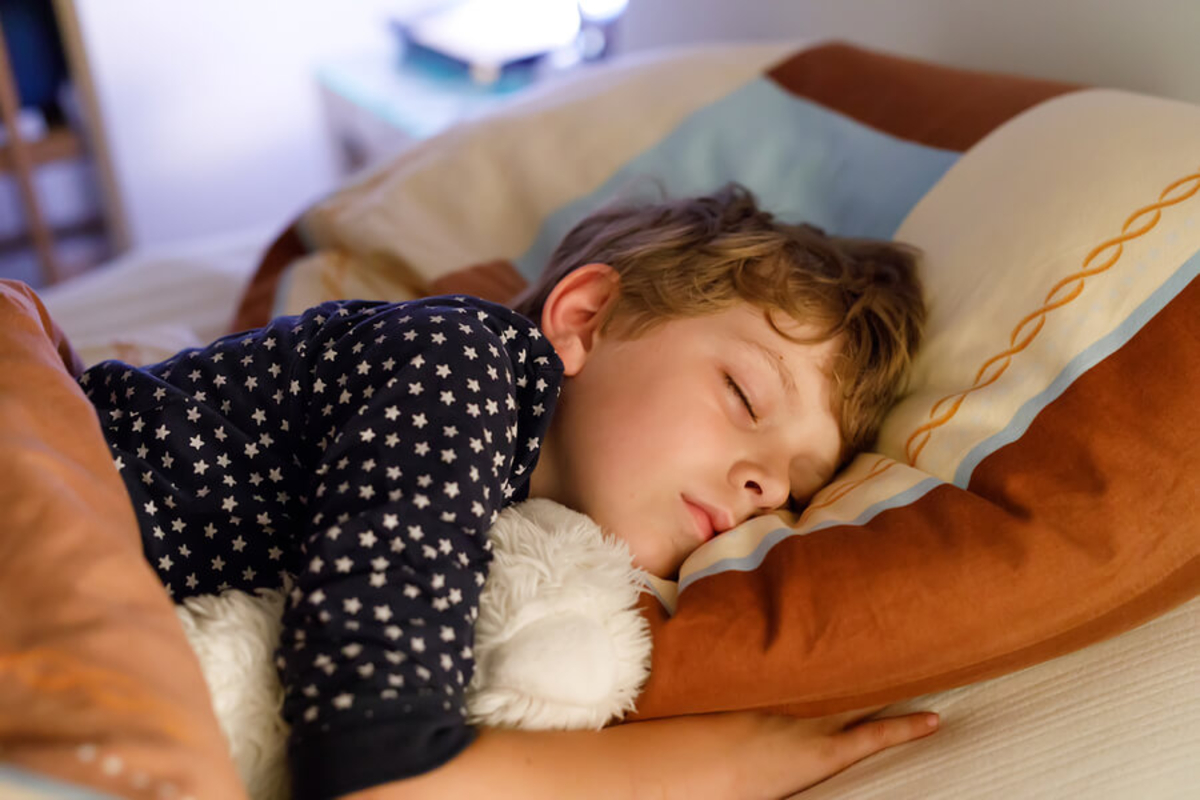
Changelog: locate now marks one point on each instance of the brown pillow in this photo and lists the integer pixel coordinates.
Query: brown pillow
(98, 685)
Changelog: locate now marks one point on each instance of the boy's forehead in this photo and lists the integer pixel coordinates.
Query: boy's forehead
(777, 342)
(773, 359)
(749, 330)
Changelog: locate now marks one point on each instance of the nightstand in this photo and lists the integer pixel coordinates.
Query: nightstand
(377, 105)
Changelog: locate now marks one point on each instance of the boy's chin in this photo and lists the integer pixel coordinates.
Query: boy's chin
(659, 568)
(666, 574)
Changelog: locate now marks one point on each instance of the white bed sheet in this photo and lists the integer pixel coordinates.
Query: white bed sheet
(157, 300)
(1114, 721)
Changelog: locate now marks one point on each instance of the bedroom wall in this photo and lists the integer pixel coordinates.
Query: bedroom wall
(213, 122)
(1146, 46)
(211, 113)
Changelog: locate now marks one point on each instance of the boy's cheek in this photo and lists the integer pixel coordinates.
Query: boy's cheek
(645, 540)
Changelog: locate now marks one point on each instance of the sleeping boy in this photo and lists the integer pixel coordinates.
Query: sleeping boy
(679, 368)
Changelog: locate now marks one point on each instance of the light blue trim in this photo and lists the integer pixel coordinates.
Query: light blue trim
(662, 601)
(1089, 358)
(49, 788)
(805, 163)
(752, 561)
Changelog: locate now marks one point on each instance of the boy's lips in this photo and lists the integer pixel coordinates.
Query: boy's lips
(708, 521)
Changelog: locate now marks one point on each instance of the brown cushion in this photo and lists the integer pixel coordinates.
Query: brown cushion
(929, 103)
(98, 685)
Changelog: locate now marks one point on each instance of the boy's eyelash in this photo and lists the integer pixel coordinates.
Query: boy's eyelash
(745, 401)
(793, 505)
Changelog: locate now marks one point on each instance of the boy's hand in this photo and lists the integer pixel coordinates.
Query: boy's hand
(780, 755)
(740, 755)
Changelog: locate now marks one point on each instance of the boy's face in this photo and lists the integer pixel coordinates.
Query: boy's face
(651, 438)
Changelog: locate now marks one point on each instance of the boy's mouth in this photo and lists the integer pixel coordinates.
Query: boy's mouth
(704, 524)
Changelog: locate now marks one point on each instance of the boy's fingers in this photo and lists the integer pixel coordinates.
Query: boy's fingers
(856, 743)
(837, 722)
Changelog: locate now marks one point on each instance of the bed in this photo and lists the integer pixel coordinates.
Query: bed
(1039, 701)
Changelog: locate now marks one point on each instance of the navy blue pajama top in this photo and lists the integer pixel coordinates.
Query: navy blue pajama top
(363, 449)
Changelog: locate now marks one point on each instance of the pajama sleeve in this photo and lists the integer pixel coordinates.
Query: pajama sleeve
(423, 422)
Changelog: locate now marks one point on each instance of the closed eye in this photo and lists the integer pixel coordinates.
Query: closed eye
(742, 395)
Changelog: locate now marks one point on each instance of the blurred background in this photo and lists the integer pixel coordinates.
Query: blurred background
(135, 124)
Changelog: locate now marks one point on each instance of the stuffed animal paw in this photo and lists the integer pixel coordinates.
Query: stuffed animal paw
(559, 643)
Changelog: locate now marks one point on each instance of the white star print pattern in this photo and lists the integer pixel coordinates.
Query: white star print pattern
(362, 449)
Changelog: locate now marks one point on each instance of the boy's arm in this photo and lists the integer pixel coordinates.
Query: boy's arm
(531, 765)
(419, 427)
(719, 756)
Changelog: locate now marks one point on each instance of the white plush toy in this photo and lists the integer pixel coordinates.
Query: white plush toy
(559, 643)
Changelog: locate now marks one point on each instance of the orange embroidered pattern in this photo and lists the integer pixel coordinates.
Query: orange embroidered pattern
(878, 468)
(1029, 327)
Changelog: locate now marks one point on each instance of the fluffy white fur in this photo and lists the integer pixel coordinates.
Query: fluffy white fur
(235, 635)
(559, 643)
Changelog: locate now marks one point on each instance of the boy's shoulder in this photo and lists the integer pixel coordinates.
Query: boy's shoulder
(421, 311)
(440, 318)
(495, 316)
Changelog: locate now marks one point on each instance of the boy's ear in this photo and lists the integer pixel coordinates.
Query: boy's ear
(575, 309)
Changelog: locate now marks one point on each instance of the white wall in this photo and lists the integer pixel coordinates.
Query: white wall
(1150, 45)
(213, 121)
(211, 112)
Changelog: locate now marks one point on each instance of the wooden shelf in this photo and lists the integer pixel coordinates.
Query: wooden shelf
(58, 144)
(22, 158)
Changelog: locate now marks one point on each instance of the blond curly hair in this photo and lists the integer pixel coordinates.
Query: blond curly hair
(703, 255)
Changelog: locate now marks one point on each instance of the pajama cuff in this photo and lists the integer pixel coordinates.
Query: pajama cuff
(329, 765)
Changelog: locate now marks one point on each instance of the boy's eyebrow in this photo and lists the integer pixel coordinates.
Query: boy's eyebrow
(776, 361)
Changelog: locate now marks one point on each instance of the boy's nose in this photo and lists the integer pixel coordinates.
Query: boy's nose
(761, 487)
(768, 491)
